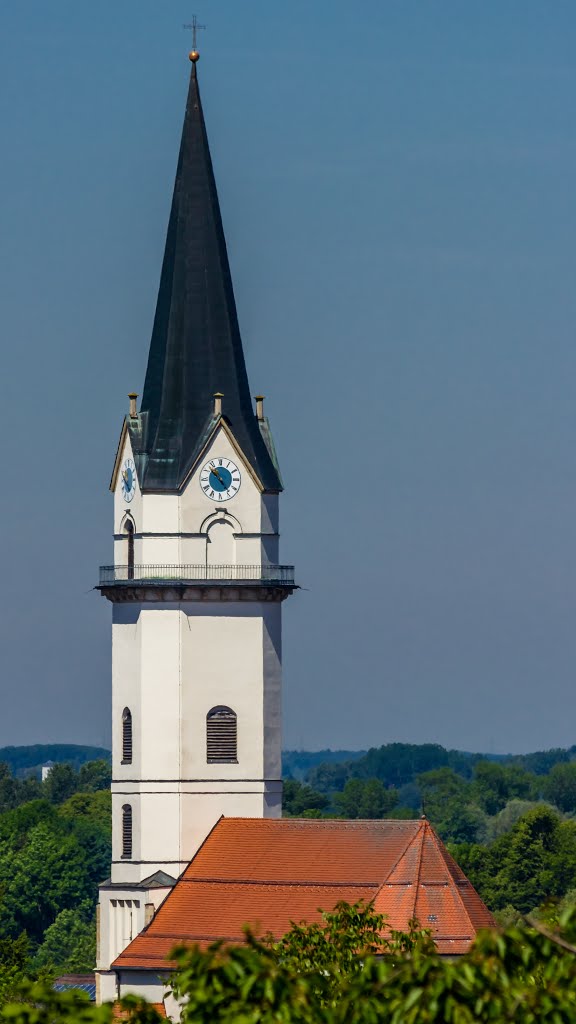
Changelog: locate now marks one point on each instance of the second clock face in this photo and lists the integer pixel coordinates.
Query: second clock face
(220, 479)
(128, 479)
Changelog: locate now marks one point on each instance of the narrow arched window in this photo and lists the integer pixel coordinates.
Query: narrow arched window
(129, 531)
(126, 736)
(221, 736)
(126, 830)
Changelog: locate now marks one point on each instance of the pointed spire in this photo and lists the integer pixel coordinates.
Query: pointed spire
(196, 349)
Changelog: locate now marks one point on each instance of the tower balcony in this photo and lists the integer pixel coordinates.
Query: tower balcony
(196, 582)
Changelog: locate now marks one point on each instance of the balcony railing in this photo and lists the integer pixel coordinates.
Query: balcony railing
(276, 575)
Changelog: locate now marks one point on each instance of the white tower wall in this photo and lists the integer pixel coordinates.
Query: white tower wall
(178, 652)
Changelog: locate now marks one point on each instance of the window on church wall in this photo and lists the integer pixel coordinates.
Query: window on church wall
(221, 736)
(127, 831)
(126, 736)
(129, 531)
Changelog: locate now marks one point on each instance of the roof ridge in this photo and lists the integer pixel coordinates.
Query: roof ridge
(323, 823)
(422, 834)
(279, 881)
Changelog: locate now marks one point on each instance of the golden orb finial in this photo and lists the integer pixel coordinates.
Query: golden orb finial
(194, 56)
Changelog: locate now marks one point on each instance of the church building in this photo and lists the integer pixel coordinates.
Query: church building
(199, 847)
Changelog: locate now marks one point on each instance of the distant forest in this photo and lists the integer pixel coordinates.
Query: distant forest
(398, 763)
(24, 761)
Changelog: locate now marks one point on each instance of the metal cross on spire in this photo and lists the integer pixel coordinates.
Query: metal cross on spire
(195, 26)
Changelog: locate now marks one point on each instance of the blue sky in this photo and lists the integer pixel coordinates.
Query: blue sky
(397, 187)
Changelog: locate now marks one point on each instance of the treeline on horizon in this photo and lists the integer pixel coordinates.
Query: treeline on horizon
(509, 822)
(399, 761)
(29, 760)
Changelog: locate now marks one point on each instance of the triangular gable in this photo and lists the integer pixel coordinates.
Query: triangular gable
(214, 424)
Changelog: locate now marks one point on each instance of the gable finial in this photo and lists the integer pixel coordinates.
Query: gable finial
(195, 26)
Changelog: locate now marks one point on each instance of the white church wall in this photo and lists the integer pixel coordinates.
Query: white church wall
(199, 814)
(160, 514)
(142, 983)
(272, 709)
(106, 987)
(193, 549)
(160, 690)
(160, 829)
(249, 548)
(270, 549)
(126, 692)
(222, 664)
(270, 513)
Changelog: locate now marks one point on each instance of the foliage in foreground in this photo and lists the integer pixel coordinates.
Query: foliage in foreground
(331, 973)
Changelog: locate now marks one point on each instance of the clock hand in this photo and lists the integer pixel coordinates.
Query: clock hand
(217, 475)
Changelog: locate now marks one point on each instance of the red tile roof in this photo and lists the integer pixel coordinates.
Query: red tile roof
(267, 873)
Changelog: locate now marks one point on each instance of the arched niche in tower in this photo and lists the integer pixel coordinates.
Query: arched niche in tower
(220, 529)
(129, 529)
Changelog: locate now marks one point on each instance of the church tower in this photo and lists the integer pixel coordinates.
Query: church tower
(196, 588)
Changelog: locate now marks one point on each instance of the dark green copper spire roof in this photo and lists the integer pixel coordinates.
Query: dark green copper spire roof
(196, 349)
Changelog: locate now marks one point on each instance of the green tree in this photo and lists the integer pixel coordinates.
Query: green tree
(94, 776)
(60, 784)
(298, 798)
(448, 801)
(69, 943)
(52, 871)
(509, 816)
(93, 807)
(438, 788)
(8, 789)
(328, 777)
(14, 955)
(490, 786)
(560, 786)
(365, 798)
(528, 866)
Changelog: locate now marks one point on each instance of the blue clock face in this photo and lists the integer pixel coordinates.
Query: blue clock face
(220, 479)
(128, 479)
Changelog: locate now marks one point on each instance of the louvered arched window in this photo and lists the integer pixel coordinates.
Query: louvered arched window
(127, 831)
(126, 736)
(129, 531)
(221, 736)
